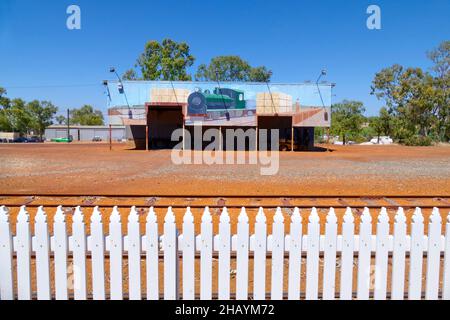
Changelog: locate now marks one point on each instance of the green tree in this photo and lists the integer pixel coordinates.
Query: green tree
(4, 105)
(168, 60)
(418, 101)
(440, 57)
(19, 117)
(4, 101)
(231, 68)
(61, 119)
(260, 74)
(130, 75)
(376, 126)
(347, 119)
(86, 116)
(41, 114)
(411, 98)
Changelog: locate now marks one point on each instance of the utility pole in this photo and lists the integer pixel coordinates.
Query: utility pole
(68, 125)
(110, 137)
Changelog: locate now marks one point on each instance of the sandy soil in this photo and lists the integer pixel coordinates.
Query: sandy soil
(92, 169)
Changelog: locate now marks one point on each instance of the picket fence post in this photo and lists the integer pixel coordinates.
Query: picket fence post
(347, 256)
(23, 248)
(97, 248)
(243, 241)
(312, 258)
(399, 255)
(152, 255)
(79, 247)
(433, 255)
(206, 249)
(188, 256)
(259, 261)
(224, 255)
(446, 289)
(60, 248)
(295, 255)
(134, 255)
(6, 256)
(381, 256)
(277, 255)
(116, 254)
(329, 267)
(42, 249)
(170, 247)
(364, 255)
(416, 256)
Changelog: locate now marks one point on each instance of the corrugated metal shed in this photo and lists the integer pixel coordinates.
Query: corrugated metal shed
(85, 133)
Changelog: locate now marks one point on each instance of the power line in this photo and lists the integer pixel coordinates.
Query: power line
(54, 86)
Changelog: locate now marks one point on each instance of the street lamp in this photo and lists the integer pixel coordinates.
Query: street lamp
(322, 73)
(122, 91)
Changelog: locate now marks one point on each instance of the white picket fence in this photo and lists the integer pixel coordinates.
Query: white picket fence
(407, 251)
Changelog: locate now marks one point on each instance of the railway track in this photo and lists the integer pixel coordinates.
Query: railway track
(230, 201)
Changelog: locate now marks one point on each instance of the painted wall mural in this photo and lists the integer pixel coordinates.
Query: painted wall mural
(231, 103)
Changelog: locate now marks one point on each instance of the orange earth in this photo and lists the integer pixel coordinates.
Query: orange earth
(91, 169)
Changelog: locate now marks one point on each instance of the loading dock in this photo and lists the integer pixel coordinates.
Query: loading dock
(162, 120)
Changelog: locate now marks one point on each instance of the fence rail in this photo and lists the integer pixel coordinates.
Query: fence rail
(397, 261)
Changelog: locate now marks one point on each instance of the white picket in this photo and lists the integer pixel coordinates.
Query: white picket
(206, 249)
(170, 247)
(259, 261)
(277, 256)
(433, 255)
(42, 249)
(381, 257)
(347, 256)
(446, 288)
(151, 241)
(242, 256)
(116, 255)
(295, 255)
(329, 267)
(97, 248)
(364, 256)
(312, 256)
(60, 248)
(134, 255)
(188, 256)
(416, 257)
(23, 249)
(399, 255)
(6, 256)
(330, 244)
(224, 255)
(79, 248)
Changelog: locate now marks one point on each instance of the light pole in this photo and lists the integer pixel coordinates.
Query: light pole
(322, 73)
(122, 91)
(68, 125)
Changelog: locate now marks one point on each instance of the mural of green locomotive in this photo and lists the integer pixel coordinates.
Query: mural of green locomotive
(200, 102)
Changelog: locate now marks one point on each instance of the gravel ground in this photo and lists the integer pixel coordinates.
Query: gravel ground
(93, 169)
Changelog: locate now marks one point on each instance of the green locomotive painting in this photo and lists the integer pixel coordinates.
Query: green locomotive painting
(200, 102)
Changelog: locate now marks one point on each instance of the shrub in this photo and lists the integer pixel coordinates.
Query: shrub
(418, 141)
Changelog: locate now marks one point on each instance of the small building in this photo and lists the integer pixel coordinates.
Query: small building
(153, 110)
(86, 133)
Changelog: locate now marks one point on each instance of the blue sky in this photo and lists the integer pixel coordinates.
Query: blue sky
(41, 59)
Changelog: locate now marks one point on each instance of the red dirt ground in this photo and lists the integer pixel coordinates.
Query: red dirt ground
(92, 169)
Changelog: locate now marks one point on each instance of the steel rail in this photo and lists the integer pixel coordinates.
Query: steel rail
(233, 201)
